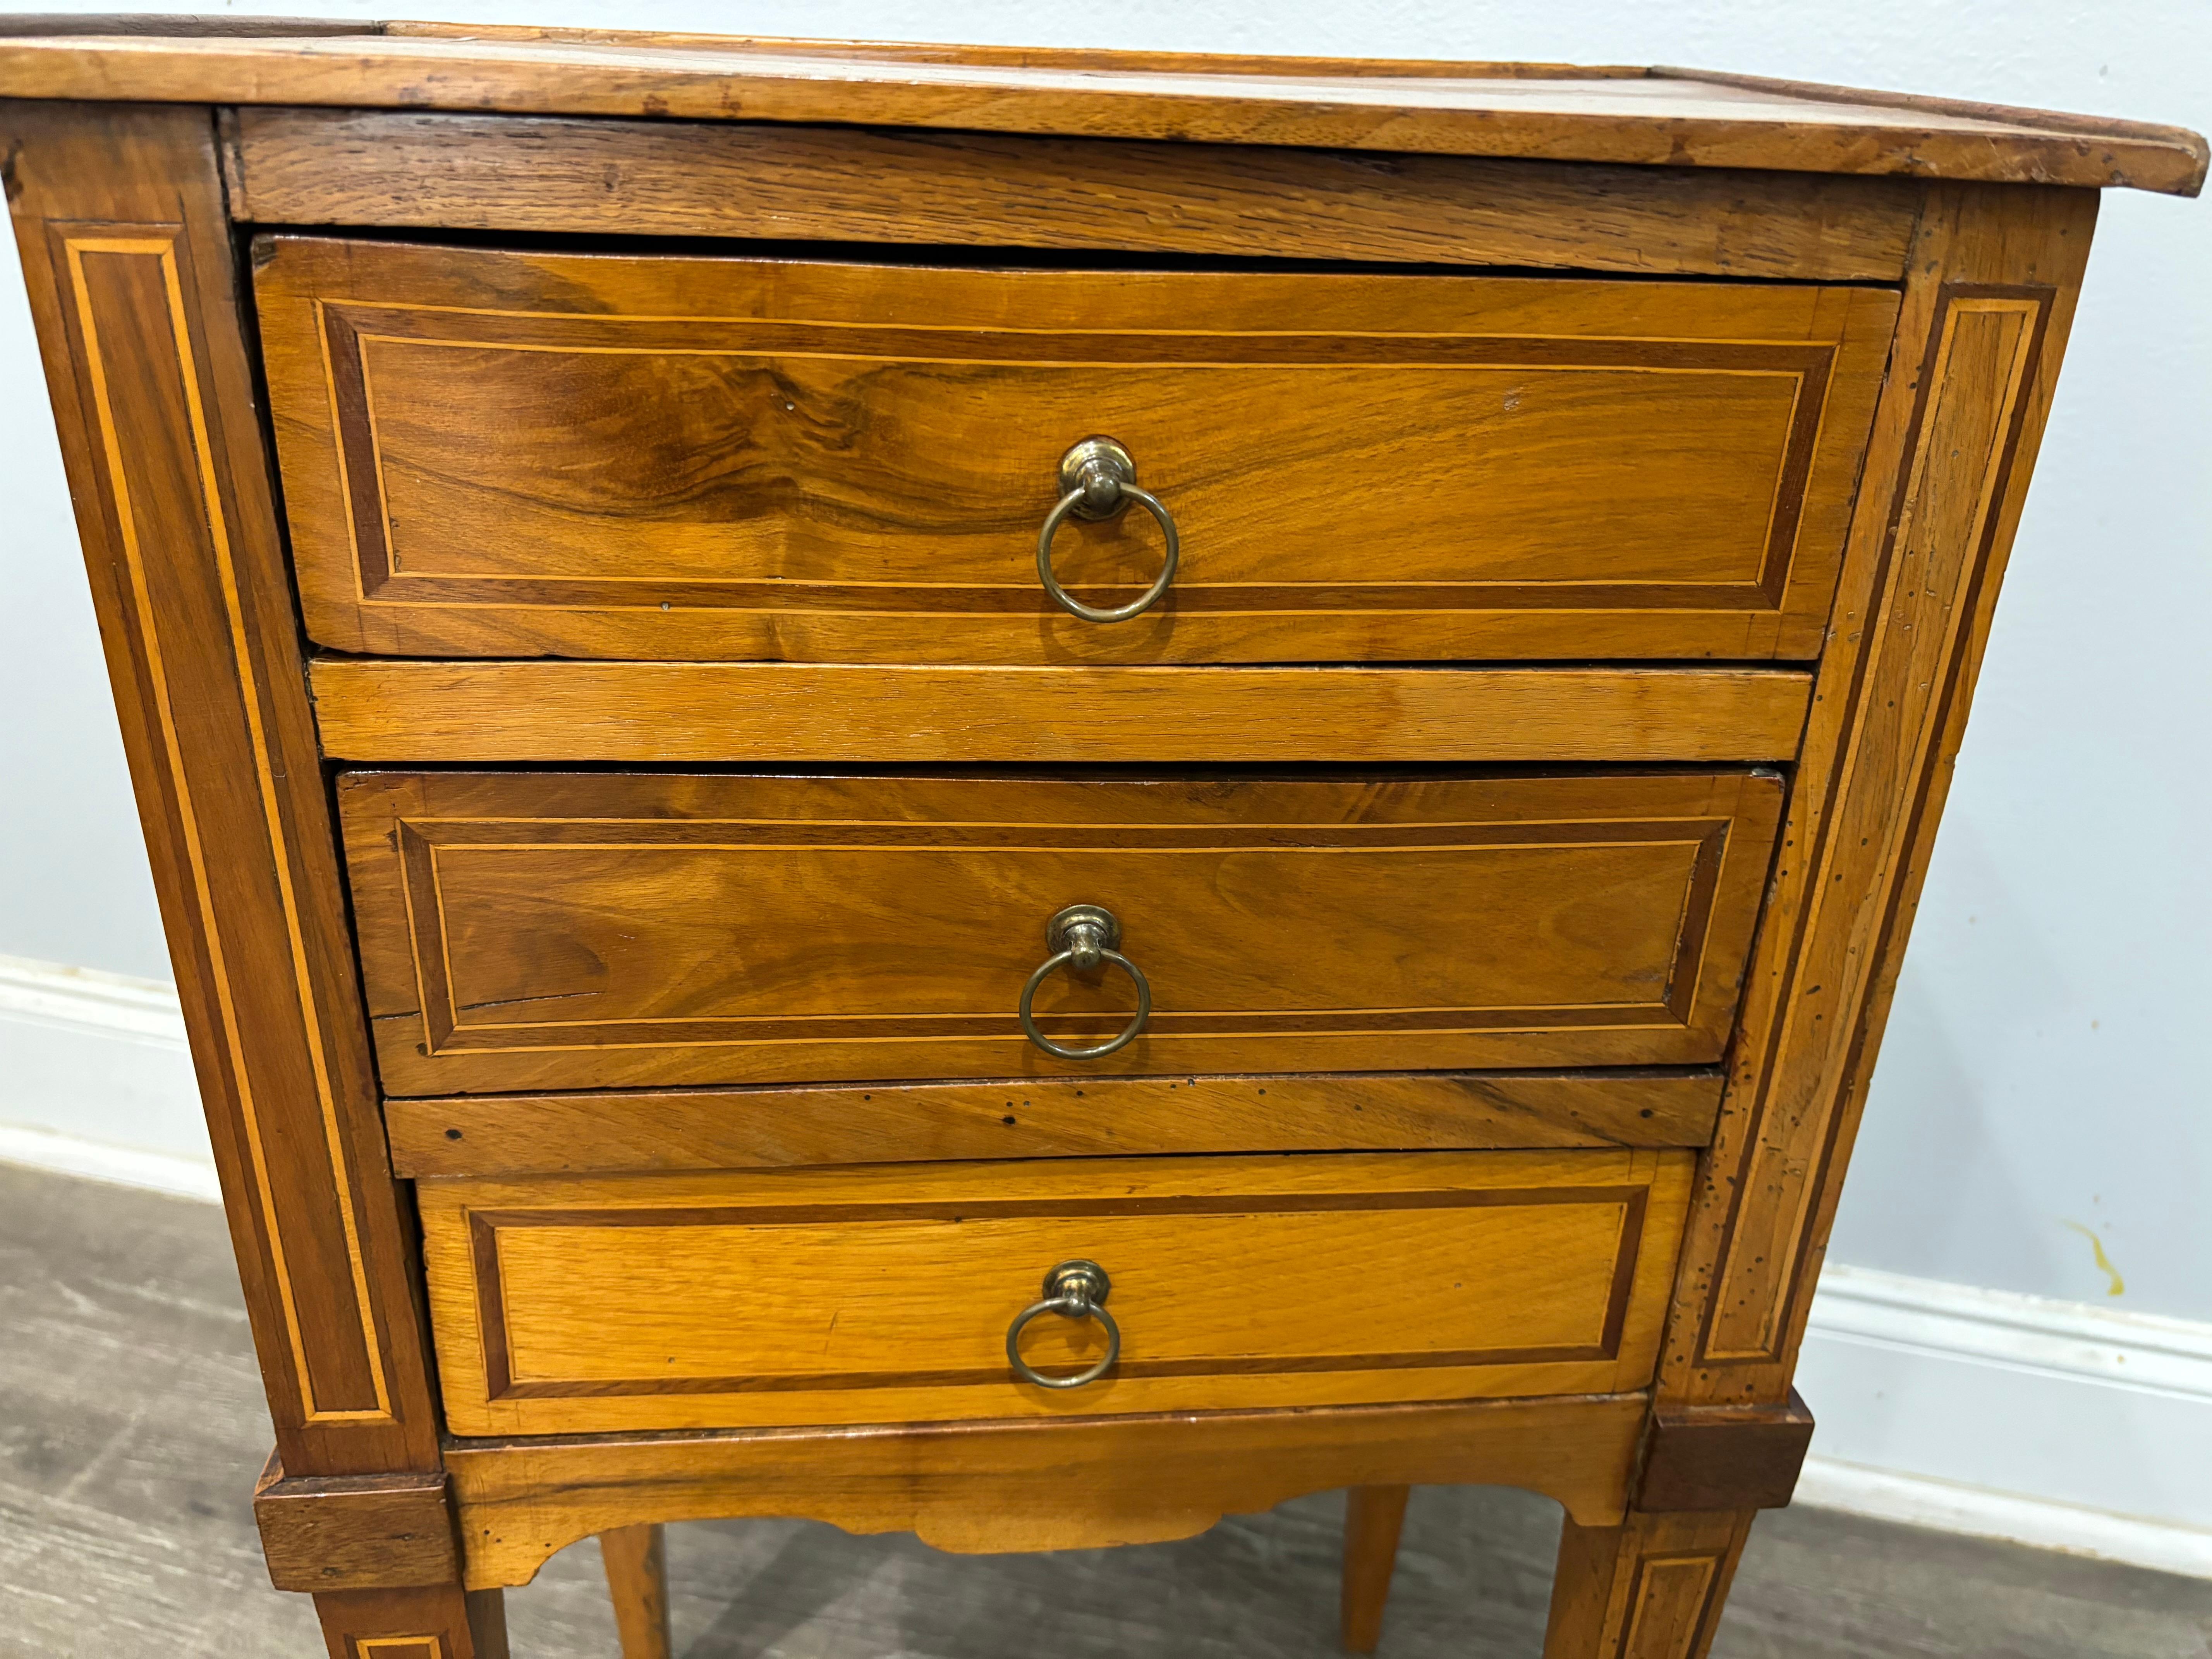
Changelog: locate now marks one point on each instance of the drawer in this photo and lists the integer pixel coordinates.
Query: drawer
(497, 453)
(556, 931)
(855, 1296)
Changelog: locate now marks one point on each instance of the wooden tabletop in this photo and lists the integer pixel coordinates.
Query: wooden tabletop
(1661, 116)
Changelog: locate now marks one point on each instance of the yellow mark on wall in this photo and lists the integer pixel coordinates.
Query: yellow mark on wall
(2118, 1286)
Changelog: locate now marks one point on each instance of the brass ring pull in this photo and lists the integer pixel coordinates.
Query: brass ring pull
(1074, 1290)
(1083, 936)
(1097, 479)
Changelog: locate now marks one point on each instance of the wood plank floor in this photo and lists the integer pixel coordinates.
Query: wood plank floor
(131, 1426)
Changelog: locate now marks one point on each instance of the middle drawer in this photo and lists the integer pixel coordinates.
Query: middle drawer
(554, 930)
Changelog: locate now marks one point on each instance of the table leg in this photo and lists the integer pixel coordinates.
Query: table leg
(1372, 1518)
(1651, 1588)
(442, 1622)
(637, 1578)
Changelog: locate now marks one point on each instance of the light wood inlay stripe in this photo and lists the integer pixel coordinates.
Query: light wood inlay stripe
(163, 249)
(399, 1647)
(882, 1296)
(1983, 363)
(1669, 1603)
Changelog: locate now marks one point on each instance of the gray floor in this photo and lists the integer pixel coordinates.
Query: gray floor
(132, 1426)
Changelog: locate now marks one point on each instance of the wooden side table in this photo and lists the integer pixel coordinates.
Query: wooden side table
(1028, 795)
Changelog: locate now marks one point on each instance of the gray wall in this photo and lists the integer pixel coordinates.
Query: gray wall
(2041, 1072)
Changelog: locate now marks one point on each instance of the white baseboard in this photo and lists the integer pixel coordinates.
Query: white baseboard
(2052, 1424)
(2056, 1424)
(98, 1059)
(1916, 1500)
(101, 1160)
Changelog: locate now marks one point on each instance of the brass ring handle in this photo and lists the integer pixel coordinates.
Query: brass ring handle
(1074, 1290)
(1084, 935)
(1096, 480)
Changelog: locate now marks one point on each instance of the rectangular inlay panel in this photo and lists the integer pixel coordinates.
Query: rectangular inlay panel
(872, 1295)
(538, 930)
(498, 454)
(1981, 365)
(274, 1062)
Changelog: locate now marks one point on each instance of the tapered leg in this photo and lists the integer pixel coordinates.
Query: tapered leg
(1372, 1518)
(442, 1623)
(637, 1578)
(1651, 1588)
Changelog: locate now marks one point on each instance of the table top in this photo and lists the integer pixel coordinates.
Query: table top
(1658, 116)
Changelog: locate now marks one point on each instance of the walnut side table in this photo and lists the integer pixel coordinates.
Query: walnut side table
(1028, 795)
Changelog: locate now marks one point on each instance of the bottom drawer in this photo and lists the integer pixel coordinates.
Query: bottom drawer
(570, 1304)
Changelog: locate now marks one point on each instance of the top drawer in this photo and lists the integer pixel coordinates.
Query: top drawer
(492, 453)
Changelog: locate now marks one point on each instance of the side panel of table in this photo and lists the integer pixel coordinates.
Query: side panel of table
(127, 251)
(128, 256)
(1987, 301)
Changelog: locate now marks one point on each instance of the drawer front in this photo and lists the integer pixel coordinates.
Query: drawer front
(537, 930)
(495, 453)
(667, 1301)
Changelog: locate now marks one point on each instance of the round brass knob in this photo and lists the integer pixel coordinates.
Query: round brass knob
(1097, 479)
(1083, 936)
(1074, 1290)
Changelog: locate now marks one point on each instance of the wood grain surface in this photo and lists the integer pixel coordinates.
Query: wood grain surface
(354, 1531)
(636, 1560)
(1702, 1458)
(572, 931)
(646, 1129)
(1555, 113)
(984, 1488)
(1651, 1588)
(1985, 318)
(591, 1304)
(388, 709)
(408, 170)
(491, 453)
(441, 1623)
(1373, 1517)
(128, 257)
